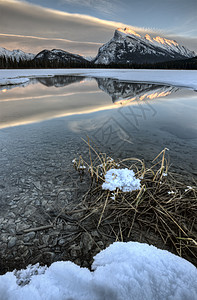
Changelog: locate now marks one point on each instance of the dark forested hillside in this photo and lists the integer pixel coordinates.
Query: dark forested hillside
(9, 63)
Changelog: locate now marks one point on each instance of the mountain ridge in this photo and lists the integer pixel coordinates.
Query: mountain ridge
(16, 54)
(59, 55)
(125, 47)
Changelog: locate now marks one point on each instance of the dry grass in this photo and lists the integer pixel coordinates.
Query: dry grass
(164, 207)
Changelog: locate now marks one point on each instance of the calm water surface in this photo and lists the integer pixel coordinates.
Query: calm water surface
(124, 119)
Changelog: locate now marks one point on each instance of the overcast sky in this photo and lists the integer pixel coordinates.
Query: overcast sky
(82, 26)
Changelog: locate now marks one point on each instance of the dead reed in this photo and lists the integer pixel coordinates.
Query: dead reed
(163, 212)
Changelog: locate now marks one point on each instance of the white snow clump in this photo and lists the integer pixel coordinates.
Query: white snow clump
(122, 179)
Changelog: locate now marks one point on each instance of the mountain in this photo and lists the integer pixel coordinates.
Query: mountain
(124, 92)
(127, 46)
(59, 56)
(16, 54)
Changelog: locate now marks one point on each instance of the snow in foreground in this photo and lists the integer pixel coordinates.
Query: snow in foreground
(123, 179)
(122, 271)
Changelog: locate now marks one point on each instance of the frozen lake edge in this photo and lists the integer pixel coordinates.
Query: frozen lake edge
(182, 78)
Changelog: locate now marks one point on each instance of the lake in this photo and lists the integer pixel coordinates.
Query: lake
(43, 125)
(121, 118)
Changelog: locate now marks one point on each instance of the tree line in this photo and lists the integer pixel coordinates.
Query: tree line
(12, 63)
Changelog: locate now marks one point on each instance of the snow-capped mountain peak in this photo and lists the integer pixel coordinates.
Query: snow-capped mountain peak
(128, 31)
(16, 54)
(127, 46)
(160, 40)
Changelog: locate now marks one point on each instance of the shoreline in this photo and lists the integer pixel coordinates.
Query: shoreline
(181, 78)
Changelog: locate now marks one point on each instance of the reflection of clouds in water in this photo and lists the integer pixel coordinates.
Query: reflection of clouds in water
(87, 125)
(103, 129)
(5, 88)
(55, 86)
(61, 96)
(47, 96)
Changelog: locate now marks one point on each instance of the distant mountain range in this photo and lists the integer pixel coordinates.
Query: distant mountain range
(16, 54)
(126, 47)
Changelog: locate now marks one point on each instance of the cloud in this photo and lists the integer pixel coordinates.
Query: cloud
(48, 22)
(35, 44)
(33, 28)
(104, 6)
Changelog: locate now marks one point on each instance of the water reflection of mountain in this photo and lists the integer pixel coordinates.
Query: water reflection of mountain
(59, 81)
(5, 88)
(121, 92)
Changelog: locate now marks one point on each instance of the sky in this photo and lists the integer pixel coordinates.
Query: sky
(82, 26)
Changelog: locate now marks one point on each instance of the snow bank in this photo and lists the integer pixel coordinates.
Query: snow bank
(124, 271)
(123, 179)
(185, 78)
(9, 81)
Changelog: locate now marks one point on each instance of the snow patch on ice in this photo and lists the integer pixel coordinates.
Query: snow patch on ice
(9, 81)
(122, 179)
